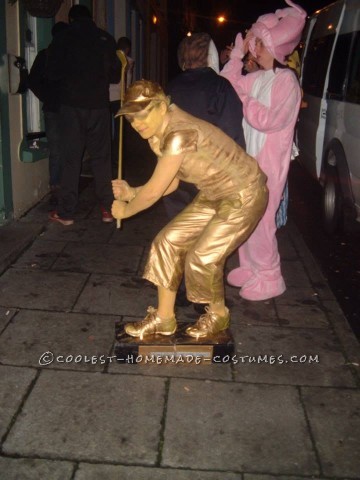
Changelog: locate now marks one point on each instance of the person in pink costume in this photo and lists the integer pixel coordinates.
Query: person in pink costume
(271, 99)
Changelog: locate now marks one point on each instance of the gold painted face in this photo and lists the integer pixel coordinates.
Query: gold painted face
(149, 122)
(263, 56)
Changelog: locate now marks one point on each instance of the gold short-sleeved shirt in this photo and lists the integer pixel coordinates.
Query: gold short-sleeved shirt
(216, 164)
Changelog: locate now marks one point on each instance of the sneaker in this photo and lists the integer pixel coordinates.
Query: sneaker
(209, 324)
(151, 325)
(106, 215)
(54, 217)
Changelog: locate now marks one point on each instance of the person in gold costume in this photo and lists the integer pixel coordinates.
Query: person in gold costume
(231, 200)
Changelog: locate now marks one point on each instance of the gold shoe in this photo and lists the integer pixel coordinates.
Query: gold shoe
(209, 324)
(151, 325)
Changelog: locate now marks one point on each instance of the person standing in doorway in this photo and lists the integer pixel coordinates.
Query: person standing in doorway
(48, 94)
(84, 62)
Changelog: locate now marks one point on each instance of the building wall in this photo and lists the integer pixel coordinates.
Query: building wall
(121, 8)
(29, 180)
(5, 166)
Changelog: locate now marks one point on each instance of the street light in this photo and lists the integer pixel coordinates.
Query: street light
(221, 19)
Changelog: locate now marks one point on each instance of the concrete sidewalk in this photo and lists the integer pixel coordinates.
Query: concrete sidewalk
(291, 415)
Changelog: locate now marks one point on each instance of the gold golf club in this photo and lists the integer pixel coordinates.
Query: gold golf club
(122, 57)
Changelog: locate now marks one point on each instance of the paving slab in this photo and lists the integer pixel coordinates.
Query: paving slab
(15, 237)
(316, 277)
(133, 233)
(305, 316)
(300, 296)
(33, 469)
(125, 295)
(41, 255)
(90, 417)
(293, 348)
(57, 340)
(95, 258)
(334, 417)
(6, 314)
(38, 213)
(85, 231)
(312, 268)
(40, 289)
(250, 476)
(345, 335)
(294, 273)
(112, 472)
(223, 426)
(249, 313)
(141, 229)
(207, 372)
(14, 383)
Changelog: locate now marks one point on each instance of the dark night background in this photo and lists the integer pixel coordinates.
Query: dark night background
(200, 16)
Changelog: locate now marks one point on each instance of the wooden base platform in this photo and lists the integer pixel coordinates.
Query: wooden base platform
(175, 349)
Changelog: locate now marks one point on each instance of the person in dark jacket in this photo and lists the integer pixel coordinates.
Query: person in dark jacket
(83, 62)
(200, 91)
(48, 94)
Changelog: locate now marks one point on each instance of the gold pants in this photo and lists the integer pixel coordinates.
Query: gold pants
(200, 238)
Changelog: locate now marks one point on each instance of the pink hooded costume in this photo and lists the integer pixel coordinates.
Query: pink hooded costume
(271, 102)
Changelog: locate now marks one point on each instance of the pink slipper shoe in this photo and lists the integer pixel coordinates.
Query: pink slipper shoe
(261, 289)
(239, 276)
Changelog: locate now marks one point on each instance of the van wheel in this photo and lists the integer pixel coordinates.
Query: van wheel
(332, 201)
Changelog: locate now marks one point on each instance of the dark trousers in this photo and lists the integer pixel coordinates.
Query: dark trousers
(54, 142)
(84, 128)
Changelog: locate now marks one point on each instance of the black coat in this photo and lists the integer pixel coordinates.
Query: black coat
(47, 92)
(206, 95)
(83, 62)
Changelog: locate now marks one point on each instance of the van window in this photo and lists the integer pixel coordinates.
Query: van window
(353, 89)
(315, 70)
(337, 77)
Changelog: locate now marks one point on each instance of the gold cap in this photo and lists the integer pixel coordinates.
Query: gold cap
(139, 95)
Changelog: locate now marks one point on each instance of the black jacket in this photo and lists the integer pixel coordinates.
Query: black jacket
(45, 91)
(83, 62)
(206, 95)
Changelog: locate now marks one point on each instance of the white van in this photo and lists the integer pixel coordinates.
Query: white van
(328, 132)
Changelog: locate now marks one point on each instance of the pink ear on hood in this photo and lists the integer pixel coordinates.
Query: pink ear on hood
(300, 10)
(280, 32)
